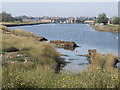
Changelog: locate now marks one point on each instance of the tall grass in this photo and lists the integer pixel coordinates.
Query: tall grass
(23, 33)
(41, 52)
(39, 74)
(106, 62)
(22, 75)
(107, 28)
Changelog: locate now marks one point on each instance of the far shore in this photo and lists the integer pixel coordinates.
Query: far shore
(98, 27)
(11, 24)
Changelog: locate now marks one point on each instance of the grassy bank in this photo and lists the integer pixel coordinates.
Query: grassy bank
(38, 71)
(21, 41)
(8, 24)
(30, 76)
(107, 28)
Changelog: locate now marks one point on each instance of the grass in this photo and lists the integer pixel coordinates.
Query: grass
(106, 62)
(22, 33)
(82, 63)
(19, 23)
(73, 59)
(22, 75)
(39, 52)
(83, 55)
(107, 28)
(39, 74)
(65, 55)
(4, 28)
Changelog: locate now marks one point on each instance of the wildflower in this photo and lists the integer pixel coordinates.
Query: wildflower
(64, 85)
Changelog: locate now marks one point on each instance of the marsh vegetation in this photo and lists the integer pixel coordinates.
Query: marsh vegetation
(38, 70)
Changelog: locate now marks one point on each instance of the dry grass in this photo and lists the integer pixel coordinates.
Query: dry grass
(107, 28)
(22, 33)
(4, 28)
(38, 74)
(106, 62)
(22, 75)
(41, 52)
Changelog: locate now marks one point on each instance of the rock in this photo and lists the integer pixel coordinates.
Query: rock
(41, 39)
(64, 43)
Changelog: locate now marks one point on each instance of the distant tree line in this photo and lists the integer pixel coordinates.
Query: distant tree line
(102, 18)
(7, 17)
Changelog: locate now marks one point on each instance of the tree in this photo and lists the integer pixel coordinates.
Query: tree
(18, 19)
(6, 17)
(102, 18)
(115, 20)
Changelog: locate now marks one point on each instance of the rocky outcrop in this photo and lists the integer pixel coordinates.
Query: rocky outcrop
(41, 39)
(64, 44)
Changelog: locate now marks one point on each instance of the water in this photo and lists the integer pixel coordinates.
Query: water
(83, 35)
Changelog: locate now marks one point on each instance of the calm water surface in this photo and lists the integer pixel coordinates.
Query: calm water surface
(83, 35)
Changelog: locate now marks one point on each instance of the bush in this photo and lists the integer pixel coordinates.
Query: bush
(102, 18)
(4, 28)
(115, 20)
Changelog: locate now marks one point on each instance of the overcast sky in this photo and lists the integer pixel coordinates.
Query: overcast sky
(65, 9)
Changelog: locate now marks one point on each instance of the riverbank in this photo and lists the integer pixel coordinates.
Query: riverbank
(11, 24)
(107, 28)
(29, 63)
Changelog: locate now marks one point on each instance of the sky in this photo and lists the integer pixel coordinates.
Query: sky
(59, 0)
(64, 9)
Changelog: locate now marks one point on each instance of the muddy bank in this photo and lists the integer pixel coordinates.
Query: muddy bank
(64, 44)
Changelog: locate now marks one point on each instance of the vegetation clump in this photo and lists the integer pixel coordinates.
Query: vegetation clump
(23, 33)
(102, 18)
(60, 43)
(107, 28)
(38, 51)
(115, 20)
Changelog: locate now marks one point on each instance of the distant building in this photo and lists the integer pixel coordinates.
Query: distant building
(27, 20)
(109, 22)
(89, 21)
(45, 21)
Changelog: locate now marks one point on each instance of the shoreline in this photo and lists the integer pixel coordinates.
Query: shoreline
(106, 28)
(21, 24)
